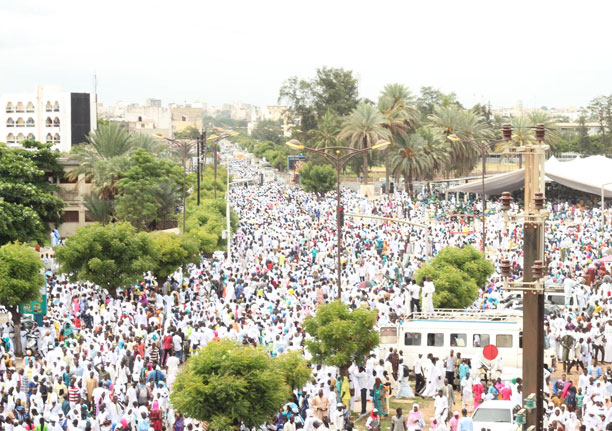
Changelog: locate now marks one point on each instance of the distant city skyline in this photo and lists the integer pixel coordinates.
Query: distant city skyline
(541, 53)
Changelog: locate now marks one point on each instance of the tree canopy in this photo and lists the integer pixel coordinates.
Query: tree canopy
(332, 89)
(172, 251)
(226, 384)
(340, 335)
(319, 179)
(142, 187)
(21, 280)
(457, 273)
(27, 204)
(112, 256)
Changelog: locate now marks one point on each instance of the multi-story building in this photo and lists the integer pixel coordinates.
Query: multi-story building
(47, 115)
(186, 116)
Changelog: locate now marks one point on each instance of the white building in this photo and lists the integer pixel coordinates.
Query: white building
(47, 115)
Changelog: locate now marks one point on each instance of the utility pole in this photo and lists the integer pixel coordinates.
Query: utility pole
(198, 143)
(534, 218)
(215, 165)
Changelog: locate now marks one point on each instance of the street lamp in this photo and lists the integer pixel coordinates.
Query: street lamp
(338, 160)
(483, 145)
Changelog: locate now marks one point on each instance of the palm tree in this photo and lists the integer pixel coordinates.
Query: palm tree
(103, 158)
(409, 159)
(362, 128)
(438, 152)
(396, 103)
(326, 133)
(99, 210)
(468, 128)
(167, 197)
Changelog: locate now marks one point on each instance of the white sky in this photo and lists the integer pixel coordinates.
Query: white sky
(554, 53)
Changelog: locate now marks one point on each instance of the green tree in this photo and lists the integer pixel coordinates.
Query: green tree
(362, 129)
(457, 273)
(396, 105)
(27, 205)
(226, 384)
(268, 131)
(104, 157)
(139, 188)
(409, 159)
(99, 210)
(341, 336)
(21, 281)
(319, 179)
(332, 89)
(171, 252)
(294, 368)
(112, 256)
(207, 222)
(431, 98)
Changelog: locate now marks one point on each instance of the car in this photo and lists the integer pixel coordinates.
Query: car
(496, 415)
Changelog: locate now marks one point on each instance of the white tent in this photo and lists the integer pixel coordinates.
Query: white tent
(587, 175)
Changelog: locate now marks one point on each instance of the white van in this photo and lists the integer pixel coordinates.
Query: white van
(463, 332)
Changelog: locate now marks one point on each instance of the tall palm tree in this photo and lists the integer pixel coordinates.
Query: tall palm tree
(103, 158)
(326, 133)
(438, 152)
(396, 103)
(469, 127)
(409, 159)
(362, 128)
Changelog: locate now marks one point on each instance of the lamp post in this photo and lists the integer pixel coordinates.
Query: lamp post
(339, 159)
(483, 145)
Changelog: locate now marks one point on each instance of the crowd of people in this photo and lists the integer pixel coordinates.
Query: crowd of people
(107, 363)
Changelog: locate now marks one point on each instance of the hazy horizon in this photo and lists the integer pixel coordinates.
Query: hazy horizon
(541, 53)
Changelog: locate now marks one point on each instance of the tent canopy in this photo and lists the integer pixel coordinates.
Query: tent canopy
(587, 175)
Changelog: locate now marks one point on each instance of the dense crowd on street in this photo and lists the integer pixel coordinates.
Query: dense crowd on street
(105, 363)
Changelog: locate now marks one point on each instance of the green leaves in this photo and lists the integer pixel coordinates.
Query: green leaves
(20, 274)
(226, 383)
(339, 335)
(319, 179)
(110, 256)
(140, 188)
(457, 273)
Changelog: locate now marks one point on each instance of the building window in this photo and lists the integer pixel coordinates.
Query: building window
(70, 217)
(49, 107)
(30, 107)
(139, 118)
(56, 106)
(10, 138)
(20, 138)
(9, 107)
(20, 122)
(49, 138)
(49, 122)
(56, 138)
(30, 122)
(183, 118)
(10, 122)
(19, 107)
(67, 179)
(56, 122)
(31, 136)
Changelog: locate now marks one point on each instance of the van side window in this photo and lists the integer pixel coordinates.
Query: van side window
(412, 339)
(481, 340)
(458, 340)
(503, 340)
(435, 340)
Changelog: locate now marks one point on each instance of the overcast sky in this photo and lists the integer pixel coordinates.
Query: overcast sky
(553, 53)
